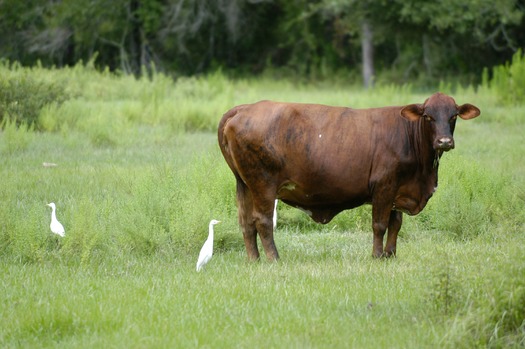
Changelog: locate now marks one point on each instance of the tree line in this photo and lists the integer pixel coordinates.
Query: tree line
(395, 40)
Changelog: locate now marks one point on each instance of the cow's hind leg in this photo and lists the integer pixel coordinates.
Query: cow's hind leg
(246, 220)
(263, 214)
(394, 225)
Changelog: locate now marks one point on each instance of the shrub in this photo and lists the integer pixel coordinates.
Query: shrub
(15, 138)
(22, 97)
(508, 80)
(446, 292)
(469, 201)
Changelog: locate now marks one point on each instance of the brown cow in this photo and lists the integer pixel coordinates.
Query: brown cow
(325, 159)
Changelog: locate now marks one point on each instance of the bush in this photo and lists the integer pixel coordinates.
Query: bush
(508, 80)
(15, 138)
(470, 200)
(22, 97)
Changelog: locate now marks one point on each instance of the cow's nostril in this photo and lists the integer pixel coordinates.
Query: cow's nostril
(445, 143)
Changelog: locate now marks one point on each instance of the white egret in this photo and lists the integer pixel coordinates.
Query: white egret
(275, 215)
(207, 248)
(56, 226)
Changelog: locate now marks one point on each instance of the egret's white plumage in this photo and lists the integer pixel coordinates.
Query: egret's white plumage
(56, 226)
(275, 215)
(207, 248)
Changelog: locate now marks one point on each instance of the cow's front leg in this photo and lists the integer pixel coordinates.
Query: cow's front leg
(250, 242)
(379, 233)
(380, 221)
(394, 225)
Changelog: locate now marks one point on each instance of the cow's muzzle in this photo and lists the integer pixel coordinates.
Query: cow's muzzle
(444, 144)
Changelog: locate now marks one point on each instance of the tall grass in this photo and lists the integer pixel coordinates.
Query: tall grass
(131, 205)
(135, 191)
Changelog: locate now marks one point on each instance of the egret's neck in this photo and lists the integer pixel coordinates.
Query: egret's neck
(53, 214)
(210, 231)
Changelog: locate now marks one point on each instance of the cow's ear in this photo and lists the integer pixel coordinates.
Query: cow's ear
(412, 112)
(468, 111)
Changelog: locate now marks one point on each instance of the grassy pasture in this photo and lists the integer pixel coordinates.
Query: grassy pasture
(139, 176)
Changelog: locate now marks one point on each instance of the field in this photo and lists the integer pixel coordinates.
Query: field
(139, 175)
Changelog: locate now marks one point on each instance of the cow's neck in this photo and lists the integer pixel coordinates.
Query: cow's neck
(426, 156)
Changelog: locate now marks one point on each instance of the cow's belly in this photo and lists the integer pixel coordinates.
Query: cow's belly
(321, 204)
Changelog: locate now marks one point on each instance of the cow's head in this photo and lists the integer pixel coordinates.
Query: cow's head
(440, 113)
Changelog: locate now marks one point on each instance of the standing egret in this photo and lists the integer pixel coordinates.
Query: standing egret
(207, 248)
(275, 215)
(56, 226)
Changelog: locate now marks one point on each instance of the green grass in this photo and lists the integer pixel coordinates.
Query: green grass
(313, 298)
(135, 191)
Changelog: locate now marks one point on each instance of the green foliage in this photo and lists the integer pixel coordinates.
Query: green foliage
(149, 13)
(508, 80)
(469, 200)
(446, 294)
(105, 105)
(414, 41)
(16, 138)
(22, 97)
(494, 307)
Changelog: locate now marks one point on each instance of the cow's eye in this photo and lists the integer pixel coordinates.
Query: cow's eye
(428, 117)
(452, 119)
